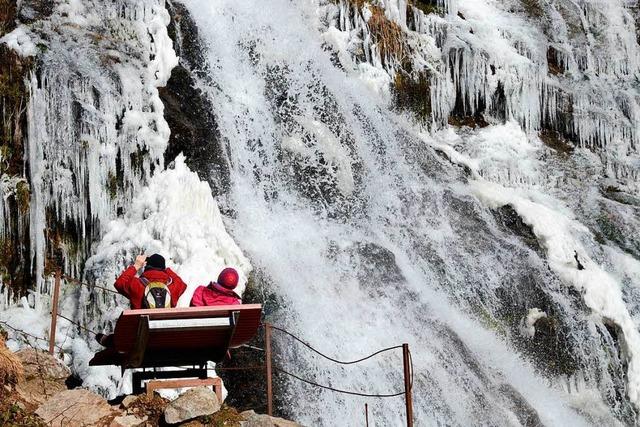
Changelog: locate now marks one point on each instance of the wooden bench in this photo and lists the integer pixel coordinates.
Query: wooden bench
(169, 337)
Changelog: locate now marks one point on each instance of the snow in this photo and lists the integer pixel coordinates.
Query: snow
(533, 316)
(184, 226)
(20, 40)
(559, 235)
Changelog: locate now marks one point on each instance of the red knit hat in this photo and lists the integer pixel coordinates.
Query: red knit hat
(228, 278)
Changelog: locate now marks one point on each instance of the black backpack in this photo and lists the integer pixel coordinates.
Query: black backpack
(156, 293)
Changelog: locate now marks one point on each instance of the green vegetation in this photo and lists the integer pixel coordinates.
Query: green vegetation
(413, 92)
(428, 6)
(225, 417)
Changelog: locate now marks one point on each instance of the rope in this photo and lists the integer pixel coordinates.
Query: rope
(331, 358)
(73, 281)
(20, 331)
(337, 390)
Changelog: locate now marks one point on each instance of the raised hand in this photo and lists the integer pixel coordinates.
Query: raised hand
(141, 260)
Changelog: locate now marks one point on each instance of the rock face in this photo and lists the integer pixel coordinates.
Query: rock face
(194, 403)
(260, 420)
(44, 375)
(72, 408)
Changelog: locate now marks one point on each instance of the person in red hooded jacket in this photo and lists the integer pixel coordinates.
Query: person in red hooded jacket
(220, 292)
(134, 287)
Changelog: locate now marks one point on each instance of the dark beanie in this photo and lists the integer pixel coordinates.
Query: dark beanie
(155, 262)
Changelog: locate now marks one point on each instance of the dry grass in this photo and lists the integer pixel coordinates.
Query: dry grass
(11, 369)
(153, 407)
(388, 36)
(7, 16)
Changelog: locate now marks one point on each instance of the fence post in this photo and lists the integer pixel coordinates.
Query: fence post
(54, 313)
(267, 347)
(366, 414)
(407, 384)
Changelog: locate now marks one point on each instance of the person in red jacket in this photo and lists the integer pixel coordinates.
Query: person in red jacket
(220, 292)
(133, 287)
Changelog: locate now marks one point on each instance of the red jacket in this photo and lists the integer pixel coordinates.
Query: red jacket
(132, 287)
(208, 295)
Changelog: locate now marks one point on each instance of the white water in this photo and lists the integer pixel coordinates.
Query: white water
(311, 214)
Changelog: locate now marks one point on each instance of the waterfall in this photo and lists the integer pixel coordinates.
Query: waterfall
(461, 176)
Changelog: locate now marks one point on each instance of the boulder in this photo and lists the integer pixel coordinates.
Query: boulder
(128, 421)
(128, 401)
(193, 403)
(78, 407)
(260, 420)
(44, 375)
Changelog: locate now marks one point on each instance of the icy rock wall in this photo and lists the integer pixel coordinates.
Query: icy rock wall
(98, 192)
(96, 129)
(561, 65)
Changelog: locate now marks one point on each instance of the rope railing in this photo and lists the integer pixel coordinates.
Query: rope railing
(26, 334)
(74, 281)
(408, 361)
(337, 390)
(351, 362)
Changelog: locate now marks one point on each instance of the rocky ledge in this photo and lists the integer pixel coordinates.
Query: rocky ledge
(34, 391)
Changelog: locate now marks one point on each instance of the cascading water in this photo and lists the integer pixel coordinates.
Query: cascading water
(371, 238)
(508, 262)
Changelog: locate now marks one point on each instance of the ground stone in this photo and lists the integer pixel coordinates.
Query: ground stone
(39, 363)
(193, 403)
(260, 420)
(71, 408)
(127, 401)
(44, 376)
(128, 421)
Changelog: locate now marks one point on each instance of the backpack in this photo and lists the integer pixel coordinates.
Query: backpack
(156, 294)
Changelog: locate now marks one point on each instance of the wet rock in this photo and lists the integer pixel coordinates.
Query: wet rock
(34, 10)
(526, 414)
(72, 408)
(194, 403)
(44, 375)
(188, 111)
(507, 217)
(260, 420)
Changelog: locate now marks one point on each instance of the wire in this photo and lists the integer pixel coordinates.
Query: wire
(20, 331)
(71, 280)
(331, 358)
(77, 324)
(337, 390)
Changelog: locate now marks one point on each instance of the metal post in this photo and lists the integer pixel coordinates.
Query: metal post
(54, 313)
(267, 347)
(366, 414)
(407, 384)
